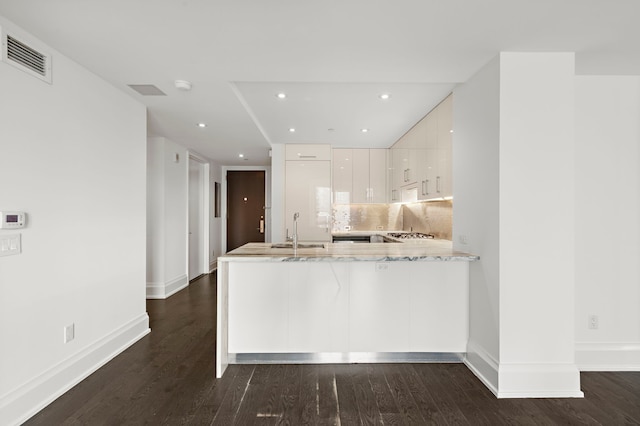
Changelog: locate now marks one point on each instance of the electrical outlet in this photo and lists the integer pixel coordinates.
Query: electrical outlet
(69, 333)
(382, 266)
(593, 322)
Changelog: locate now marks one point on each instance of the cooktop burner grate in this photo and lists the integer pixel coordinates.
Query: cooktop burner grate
(410, 235)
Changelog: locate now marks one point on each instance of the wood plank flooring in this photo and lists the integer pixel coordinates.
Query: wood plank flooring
(167, 378)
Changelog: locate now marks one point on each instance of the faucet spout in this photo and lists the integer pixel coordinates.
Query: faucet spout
(295, 230)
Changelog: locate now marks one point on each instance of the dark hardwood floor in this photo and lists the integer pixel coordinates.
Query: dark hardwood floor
(168, 378)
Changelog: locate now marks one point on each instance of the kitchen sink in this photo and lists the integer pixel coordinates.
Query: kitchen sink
(300, 245)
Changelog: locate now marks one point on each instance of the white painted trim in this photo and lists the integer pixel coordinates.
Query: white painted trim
(21, 403)
(483, 365)
(539, 381)
(617, 356)
(213, 266)
(205, 193)
(523, 380)
(161, 290)
(247, 108)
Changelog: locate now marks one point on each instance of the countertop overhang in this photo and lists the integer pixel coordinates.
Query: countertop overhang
(423, 250)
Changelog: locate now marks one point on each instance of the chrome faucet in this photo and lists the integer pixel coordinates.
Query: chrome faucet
(295, 230)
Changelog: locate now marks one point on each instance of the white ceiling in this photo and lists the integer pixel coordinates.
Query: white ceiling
(333, 58)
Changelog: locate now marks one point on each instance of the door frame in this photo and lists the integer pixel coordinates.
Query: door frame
(267, 200)
(205, 212)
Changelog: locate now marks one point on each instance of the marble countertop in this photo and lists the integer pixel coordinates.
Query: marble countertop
(420, 250)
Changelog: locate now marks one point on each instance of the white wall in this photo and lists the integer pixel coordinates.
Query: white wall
(72, 155)
(167, 212)
(608, 222)
(476, 216)
(504, 186)
(536, 180)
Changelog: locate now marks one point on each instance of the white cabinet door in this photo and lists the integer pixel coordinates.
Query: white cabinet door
(318, 306)
(308, 192)
(378, 175)
(444, 184)
(257, 308)
(361, 185)
(378, 314)
(428, 184)
(439, 314)
(367, 169)
(343, 170)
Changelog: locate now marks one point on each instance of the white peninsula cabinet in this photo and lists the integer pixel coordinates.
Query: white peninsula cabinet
(342, 303)
(347, 307)
(294, 307)
(359, 175)
(308, 191)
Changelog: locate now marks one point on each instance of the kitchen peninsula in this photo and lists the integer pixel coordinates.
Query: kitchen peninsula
(342, 303)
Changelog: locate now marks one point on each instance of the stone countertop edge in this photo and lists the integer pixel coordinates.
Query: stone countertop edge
(374, 252)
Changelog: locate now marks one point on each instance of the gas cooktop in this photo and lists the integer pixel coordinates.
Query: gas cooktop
(410, 235)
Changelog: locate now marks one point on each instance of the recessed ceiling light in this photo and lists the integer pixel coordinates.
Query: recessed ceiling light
(291, 130)
(364, 130)
(384, 96)
(183, 85)
(202, 125)
(281, 95)
(241, 155)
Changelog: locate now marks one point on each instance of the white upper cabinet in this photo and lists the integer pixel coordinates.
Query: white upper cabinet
(378, 175)
(444, 182)
(429, 160)
(343, 176)
(308, 192)
(359, 175)
(422, 161)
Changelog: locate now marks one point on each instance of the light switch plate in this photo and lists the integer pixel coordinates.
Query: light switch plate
(10, 244)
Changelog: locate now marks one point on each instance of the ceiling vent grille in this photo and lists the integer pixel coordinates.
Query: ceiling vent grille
(28, 59)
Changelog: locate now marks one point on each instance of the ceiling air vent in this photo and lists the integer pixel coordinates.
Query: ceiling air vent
(27, 58)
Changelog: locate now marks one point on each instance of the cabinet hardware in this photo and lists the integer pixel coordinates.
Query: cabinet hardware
(307, 156)
(425, 187)
(438, 184)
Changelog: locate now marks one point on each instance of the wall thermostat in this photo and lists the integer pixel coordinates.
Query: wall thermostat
(12, 220)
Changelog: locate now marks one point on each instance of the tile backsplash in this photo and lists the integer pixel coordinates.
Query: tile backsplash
(433, 217)
(366, 217)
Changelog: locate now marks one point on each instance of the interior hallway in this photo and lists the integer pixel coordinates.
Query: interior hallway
(168, 378)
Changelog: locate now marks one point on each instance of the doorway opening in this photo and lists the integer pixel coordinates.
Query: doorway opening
(198, 224)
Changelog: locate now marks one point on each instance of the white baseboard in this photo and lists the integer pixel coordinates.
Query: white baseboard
(162, 290)
(539, 381)
(523, 380)
(483, 365)
(213, 266)
(608, 356)
(21, 403)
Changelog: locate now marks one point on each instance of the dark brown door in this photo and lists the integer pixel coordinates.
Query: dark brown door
(245, 208)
